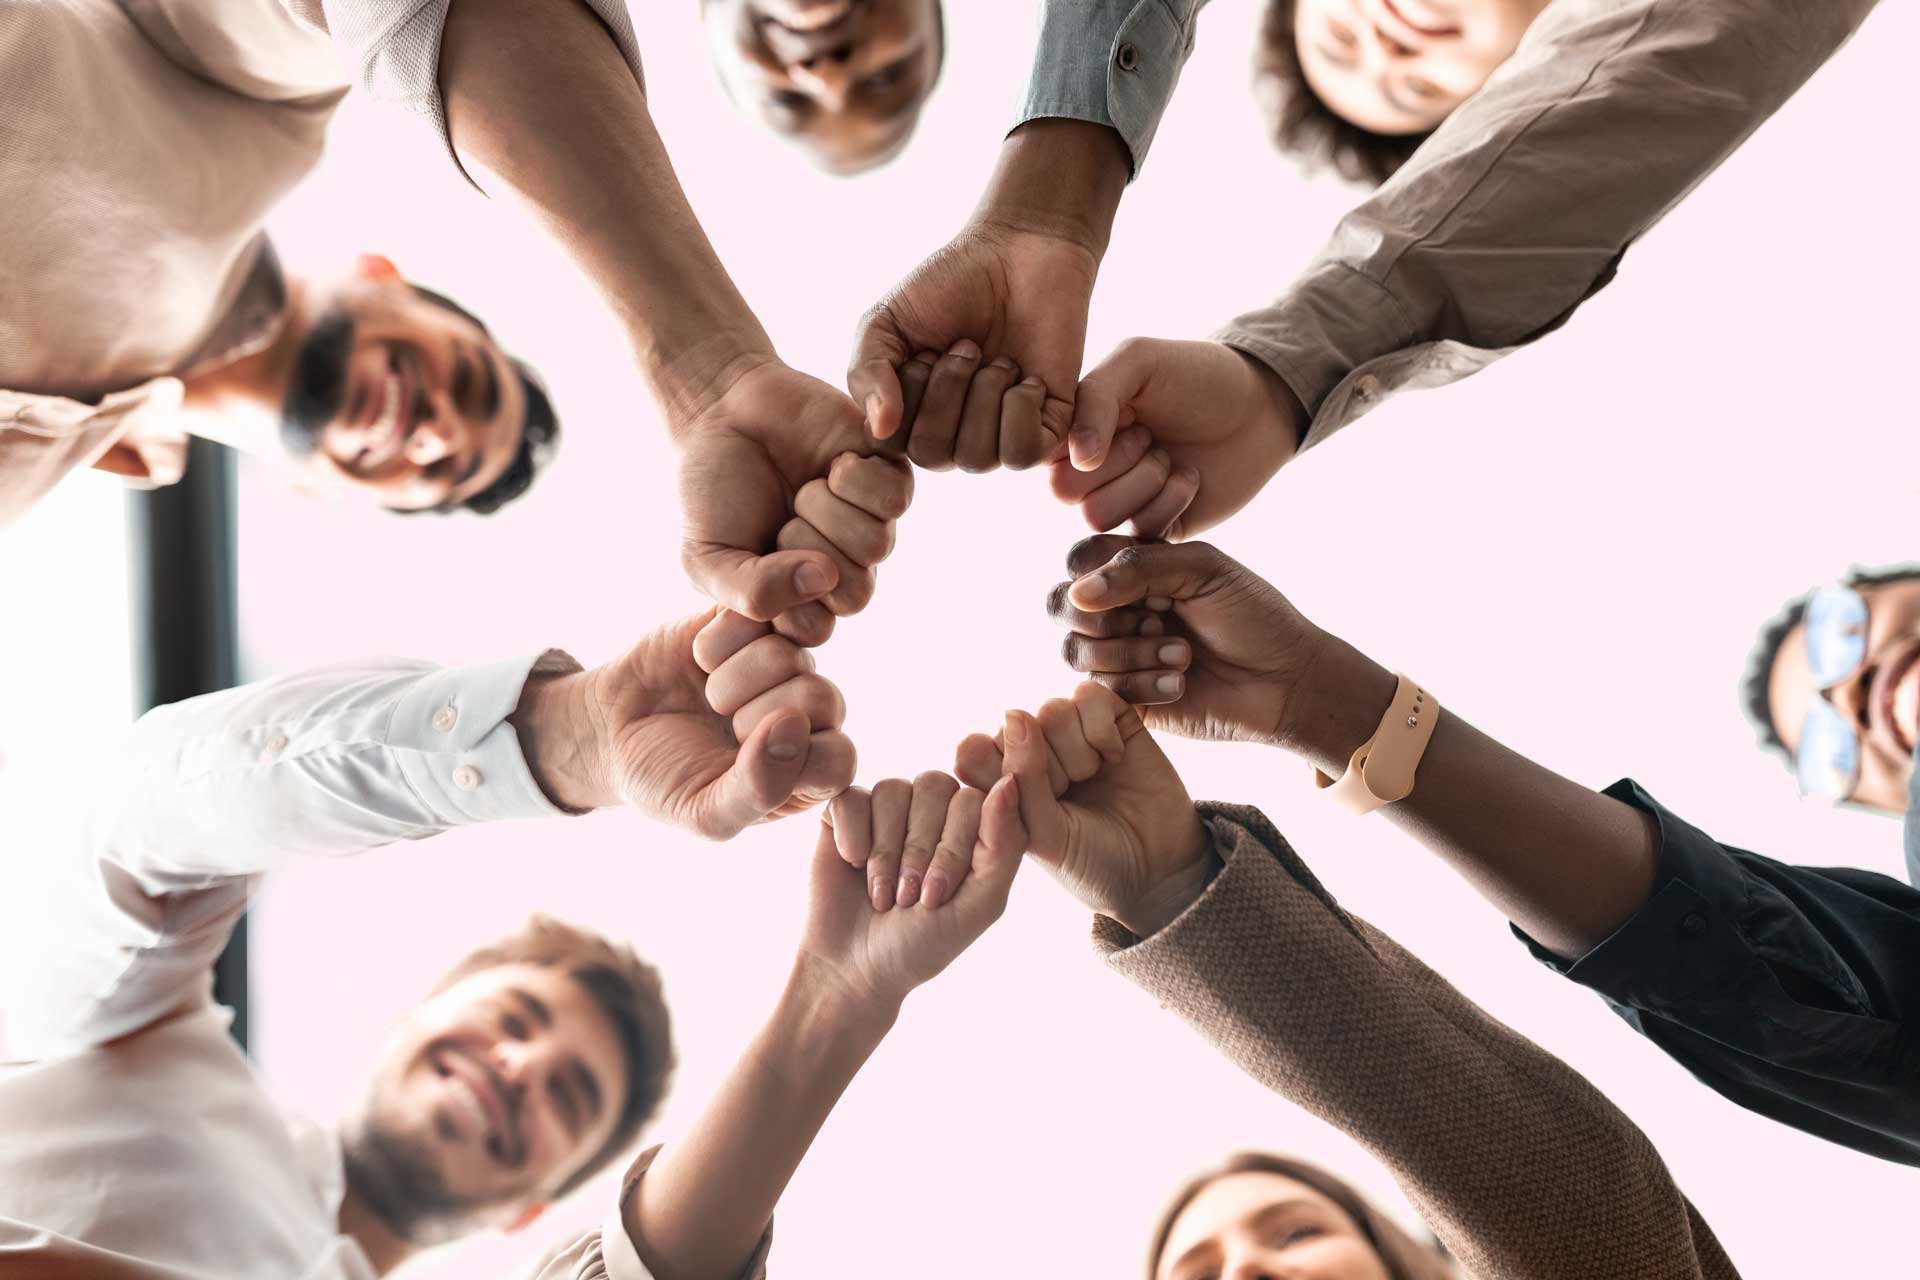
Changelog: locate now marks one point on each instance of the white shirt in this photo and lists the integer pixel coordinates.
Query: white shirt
(138, 1141)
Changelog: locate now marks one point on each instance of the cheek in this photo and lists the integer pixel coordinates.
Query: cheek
(1883, 780)
(1340, 1258)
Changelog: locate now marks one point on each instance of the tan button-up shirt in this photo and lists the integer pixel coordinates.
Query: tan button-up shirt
(142, 145)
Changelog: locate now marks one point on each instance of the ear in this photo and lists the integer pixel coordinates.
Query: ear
(372, 266)
(528, 1216)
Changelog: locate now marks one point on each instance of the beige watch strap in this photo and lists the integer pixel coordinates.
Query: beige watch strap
(1382, 770)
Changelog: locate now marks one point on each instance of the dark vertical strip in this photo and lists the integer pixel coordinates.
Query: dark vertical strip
(185, 631)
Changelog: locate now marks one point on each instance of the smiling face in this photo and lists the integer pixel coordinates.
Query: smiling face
(843, 79)
(1401, 66)
(1262, 1224)
(1881, 699)
(398, 398)
(487, 1099)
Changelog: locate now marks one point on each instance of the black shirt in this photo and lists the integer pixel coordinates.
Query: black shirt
(1792, 991)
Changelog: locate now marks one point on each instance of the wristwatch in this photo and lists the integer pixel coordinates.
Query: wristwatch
(1382, 770)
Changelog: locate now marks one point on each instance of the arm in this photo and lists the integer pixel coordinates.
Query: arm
(212, 793)
(1521, 204)
(1519, 1165)
(1784, 988)
(704, 1207)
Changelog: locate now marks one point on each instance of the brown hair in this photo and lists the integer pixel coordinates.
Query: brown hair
(1404, 1257)
(624, 987)
(1303, 125)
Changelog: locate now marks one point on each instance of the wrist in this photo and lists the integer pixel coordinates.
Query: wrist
(691, 381)
(825, 1004)
(560, 741)
(1170, 896)
(1274, 404)
(1061, 178)
(1335, 706)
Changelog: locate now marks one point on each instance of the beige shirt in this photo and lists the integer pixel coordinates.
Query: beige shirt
(1520, 1166)
(1522, 204)
(136, 1141)
(142, 145)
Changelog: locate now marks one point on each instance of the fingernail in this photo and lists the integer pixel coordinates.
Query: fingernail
(1092, 587)
(783, 750)
(1031, 382)
(1000, 362)
(935, 891)
(909, 890)
(1016, 728)
(1151, 625)
(1159, 604)
(1169, 683)
(810, 579)
(873, 407)
(880, 889)
(1173, 653)
(966, 349)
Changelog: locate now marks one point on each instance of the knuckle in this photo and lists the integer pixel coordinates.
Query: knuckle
(1074, 650)
(855, 591)
(1058, 605)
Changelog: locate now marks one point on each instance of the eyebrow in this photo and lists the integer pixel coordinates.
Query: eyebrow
(535, 1006)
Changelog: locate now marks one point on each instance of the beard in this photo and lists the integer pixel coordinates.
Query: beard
(318, 386)
(395, 1176)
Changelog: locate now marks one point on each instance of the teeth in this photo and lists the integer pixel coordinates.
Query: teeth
(389, 418)
(470, 1107)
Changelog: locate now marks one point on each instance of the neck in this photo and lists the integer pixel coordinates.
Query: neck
(238, 403)
(383, 1248)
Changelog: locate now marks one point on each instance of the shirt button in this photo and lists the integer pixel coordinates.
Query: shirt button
(1366, 386)
(276, 744)
(1128, 57)
(445, 718)
(1693, 924)
(466, 777)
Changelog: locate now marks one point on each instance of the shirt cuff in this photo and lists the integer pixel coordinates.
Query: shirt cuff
(450, 735)
(1111, 63)
(618, 1251)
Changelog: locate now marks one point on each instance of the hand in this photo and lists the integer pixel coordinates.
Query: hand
(1100, 805)
(997, 301)
(881, 952)
(785, 520)
(640, 731)
(1175, 437)
(1211, 649)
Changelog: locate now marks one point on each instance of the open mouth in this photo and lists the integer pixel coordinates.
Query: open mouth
(479, 1103)
(1897, 692)
(387, 415)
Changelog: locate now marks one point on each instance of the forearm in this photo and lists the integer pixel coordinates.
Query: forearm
(702, 1208)
(558, 120)
(1565, 863)
(1058, 177)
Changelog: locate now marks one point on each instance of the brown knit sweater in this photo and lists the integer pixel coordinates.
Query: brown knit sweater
(1521, 1167)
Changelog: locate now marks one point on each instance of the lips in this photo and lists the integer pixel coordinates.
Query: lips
(1896, 697)
(386, 418)
(478, 1102)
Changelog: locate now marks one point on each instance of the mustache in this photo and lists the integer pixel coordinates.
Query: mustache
(318, 386)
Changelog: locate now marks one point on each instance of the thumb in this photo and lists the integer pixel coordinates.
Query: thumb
(1179, 571)
(1041, 814)
(759, 587)
(1104, 401)
(764, 774)
(873, 377)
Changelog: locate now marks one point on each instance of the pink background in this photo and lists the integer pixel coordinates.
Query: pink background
(1615, 512)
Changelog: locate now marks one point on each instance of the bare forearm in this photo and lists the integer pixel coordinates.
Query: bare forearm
(1566, 864)
(702, 1208)
(541, 105)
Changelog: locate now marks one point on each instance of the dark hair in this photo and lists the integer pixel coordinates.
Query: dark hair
(539, 428)
(1404, 1257)
(623, 987)
(1303, 125)
(1755, 699)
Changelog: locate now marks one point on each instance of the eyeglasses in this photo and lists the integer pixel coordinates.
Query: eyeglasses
(1828, 761)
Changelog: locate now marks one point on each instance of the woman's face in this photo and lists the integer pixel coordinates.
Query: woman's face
(1258, 1226)
(1400, 66)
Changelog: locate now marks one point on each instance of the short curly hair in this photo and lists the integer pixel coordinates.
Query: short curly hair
(1755, 700)
(1303, 125)
(623, 987)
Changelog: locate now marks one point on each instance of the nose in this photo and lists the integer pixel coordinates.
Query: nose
(826, 75)
(1852, 697)
(1386, 44)
(1251, 1264)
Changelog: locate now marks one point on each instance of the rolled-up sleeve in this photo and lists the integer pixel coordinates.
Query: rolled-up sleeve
(1110, 62)
(1787, 989)
(391, 49)
(609, 1253)
(1521, 205)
